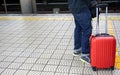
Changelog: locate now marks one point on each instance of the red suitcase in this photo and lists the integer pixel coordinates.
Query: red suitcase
(103, 48)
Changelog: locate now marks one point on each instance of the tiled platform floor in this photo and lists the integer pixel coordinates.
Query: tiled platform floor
(42, 45)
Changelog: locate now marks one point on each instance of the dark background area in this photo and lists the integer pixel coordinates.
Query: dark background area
(47, 6)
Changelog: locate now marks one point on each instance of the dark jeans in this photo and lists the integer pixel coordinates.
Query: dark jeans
(83, 30)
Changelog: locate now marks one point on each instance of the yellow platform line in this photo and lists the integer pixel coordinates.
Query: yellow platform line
(62, 18)
(109, 18)
(36, 18)
(117, 59)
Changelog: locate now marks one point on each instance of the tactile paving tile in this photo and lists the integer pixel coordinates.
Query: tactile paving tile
(75, 74)
(88, 70)
(6, 53)
(10, 49)
(49, 51)
(21, 72)
(65, 43)
(76, 58)
(53, 62)
(67, 56)
(2, 57)
(20, 59)
(63, 69)
(26, 66)
(1, 70)
(70, 47)
(87, 65)
(50, 68)
(25, 54)
(29, 49)
(14, 65)
(47, 73)
(116, 72)
(36, 42)
(56, 56)
(77, 63)
(61, 73)
(46, 56)
(68, 52)
(19, 49)
(23, 45)
(65, 62)
(117, 65)
(42, 46)
(8, 72)
(35, 55)
(76, 70)
(9, 59)
(59, 51)
(37, 67)
(58, 37)
(34, 73)
(61, 47)
(37, 50)
(42, 61)
(4, 64)
(15, 54)
(51, 47)
(105, 72)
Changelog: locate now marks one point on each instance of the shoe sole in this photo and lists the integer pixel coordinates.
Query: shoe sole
(84, 61)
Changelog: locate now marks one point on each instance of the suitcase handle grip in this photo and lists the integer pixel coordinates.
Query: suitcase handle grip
(101, 5)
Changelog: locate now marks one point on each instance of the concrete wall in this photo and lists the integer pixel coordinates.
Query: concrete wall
(26, 6)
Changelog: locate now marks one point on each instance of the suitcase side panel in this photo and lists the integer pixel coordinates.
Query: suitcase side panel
(103, 52)
(93, 51)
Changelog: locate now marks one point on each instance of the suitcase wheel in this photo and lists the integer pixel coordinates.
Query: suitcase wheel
(94, 68)
(112, 68)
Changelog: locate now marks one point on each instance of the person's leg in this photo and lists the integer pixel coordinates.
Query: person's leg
(77, 37)
(87, 31)
(84, 19)
(85, 44)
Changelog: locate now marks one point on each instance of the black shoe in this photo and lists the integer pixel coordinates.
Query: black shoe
(85, 59)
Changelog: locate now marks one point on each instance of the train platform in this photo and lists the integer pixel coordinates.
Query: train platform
(42, 44)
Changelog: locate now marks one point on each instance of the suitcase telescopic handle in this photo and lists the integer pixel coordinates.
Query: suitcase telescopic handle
(97, 15)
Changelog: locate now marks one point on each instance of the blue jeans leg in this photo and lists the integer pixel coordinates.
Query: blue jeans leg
(83, 30)
(77, 36)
